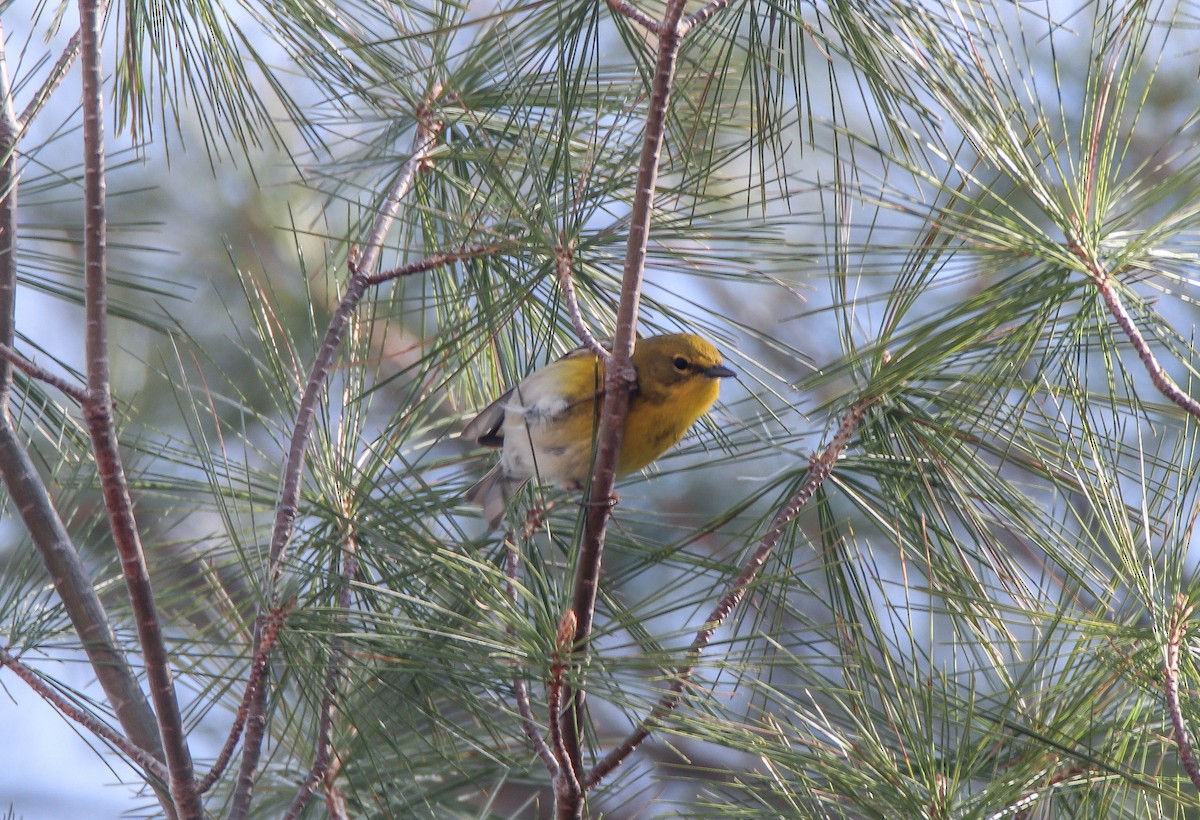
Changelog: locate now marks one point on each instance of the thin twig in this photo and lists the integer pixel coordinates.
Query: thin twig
(98, 413)
(564, 255)
(62, 66)
(57, 74)
(566, 786)
(627, 9)
(40, 374)
(333, 671)
(619, 379)
(1104, 282)
(702, 16)
(435, 261)
(1175, 636)
(818, 470)
(152, 765)
(428, 128)
(520, 688)
(274, 623)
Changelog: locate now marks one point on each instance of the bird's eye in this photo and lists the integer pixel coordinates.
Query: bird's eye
(681, 364)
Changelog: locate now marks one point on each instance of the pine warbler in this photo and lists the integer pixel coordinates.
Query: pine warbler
(546, 425)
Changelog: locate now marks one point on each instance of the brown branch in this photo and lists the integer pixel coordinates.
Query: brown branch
(320, 768)
(152, 765)
(10, 135)
(563, 256)
(57, 74)
(435, 261)
(119, 505)
(520, 688)
(1175, 636)
(288, 505)
(619, 378)
(360, 279)
(40, 374)
(274, 623)
(98, 413)
(1104, 282)
(702, 16)
(72, 582)
(819, 470)
(567, 789)
(627, 9)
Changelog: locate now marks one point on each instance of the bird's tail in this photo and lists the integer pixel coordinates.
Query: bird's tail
(492, 493)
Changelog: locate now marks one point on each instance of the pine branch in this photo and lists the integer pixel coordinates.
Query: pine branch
(564, 255)
(819, 469)
(273, 624)
(568, 789)
(1102, 278)
(360, 280)
(71, 579)
(58, 73)
(288, 505)
(152, 766)
(33, 371)
(98, 413)
(627, 9)
(619, 377)
(1175, 637)
(319, 771)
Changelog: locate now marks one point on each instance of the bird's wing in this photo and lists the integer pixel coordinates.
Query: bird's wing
(485, 428)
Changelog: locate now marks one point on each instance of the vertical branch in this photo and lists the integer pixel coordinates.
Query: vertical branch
(72, 582)
(320, 768)
(288, 506)
(568, 786)
(98, 413)
(619, 377)
(520, 688)
(10, 131)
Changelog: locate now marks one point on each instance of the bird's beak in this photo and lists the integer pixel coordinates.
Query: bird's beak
(719, 371)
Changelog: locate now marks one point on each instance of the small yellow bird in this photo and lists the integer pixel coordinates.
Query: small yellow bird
(546, 425)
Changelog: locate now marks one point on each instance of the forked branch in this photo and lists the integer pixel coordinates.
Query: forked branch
(288, 505)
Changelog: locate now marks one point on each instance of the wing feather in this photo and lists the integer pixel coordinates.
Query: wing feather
(487, 428)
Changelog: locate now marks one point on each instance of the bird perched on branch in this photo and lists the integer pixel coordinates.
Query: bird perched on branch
(545, 427)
